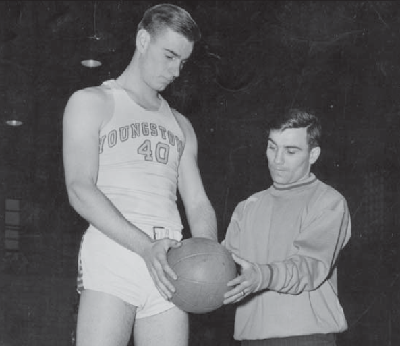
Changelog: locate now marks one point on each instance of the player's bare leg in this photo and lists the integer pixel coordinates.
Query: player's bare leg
(169, 328)
(103, 320)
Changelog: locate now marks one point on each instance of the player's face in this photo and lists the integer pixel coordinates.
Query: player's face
(164, 57)
(289, 157)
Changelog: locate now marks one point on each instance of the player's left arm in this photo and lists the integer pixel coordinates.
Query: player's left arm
(199, 210)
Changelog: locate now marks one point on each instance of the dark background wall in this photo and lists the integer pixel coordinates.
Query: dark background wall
(340, 58)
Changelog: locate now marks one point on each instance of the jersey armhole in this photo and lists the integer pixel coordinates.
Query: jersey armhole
(109, 91)
(178, 121)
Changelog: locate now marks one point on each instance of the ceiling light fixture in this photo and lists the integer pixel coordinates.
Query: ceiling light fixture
(15, 117)
(91, 61)
(14, 122)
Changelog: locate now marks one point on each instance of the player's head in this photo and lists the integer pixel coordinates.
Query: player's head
(164, 42)
(167, 16)
(293, 145)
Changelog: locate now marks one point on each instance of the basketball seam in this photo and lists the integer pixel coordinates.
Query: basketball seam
(198, 254)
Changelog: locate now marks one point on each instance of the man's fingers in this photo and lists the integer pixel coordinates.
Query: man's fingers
(234, 295)
(236, 281)
(239, 260)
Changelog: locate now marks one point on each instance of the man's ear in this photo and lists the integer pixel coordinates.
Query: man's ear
(314, 154)
(142, 40)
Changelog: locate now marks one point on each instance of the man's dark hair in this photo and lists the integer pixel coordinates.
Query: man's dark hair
(162, 16)
(295, 118)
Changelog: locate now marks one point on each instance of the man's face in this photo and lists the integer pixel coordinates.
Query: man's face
(289, 157)
(164, 57)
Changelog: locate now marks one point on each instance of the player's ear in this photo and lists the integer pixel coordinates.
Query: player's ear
(314, 154)
(142, 40)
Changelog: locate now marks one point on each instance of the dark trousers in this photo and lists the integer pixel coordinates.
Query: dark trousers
(301, 340)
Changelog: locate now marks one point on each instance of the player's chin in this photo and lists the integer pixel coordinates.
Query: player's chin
(162, 86)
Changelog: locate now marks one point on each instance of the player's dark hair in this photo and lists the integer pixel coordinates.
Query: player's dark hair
(295, 118)
(162, 16)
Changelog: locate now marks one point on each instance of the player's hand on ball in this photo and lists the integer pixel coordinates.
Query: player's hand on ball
(155, 257)
(245, 284)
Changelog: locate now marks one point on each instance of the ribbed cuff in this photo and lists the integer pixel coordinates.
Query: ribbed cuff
(260, 277)
(266, 275)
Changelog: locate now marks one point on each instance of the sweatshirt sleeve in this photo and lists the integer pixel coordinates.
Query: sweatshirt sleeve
(231, 240)
(317, 249)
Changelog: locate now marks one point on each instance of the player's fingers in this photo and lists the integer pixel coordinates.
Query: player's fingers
(167, 269)
(159, 285)
(161, 269)
(175, 244)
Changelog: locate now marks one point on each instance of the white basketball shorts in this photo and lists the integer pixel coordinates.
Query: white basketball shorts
(108, 267)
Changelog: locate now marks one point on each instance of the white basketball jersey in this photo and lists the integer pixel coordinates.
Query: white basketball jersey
(139, 155)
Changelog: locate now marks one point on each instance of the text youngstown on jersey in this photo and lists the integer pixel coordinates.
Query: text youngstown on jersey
(144, 129)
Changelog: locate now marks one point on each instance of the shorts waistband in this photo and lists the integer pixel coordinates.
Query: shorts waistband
(165, 232)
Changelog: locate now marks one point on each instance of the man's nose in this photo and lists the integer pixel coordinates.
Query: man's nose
(279, 159)
(175, 68)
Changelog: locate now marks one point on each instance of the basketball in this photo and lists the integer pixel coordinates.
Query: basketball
(204, 267)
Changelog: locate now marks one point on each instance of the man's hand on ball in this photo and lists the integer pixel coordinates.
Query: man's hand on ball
(246, 283)
(155, 257)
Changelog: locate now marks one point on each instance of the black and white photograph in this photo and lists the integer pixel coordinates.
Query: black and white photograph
(199, 173)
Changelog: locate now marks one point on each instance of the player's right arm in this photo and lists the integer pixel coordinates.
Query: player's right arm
(85, 113)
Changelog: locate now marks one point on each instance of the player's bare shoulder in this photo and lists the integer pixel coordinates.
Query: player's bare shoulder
(184, 123)
(191, 145)
(93, 103)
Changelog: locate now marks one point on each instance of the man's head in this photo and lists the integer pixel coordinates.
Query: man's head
(293, 146)
(167, 16)
(164, 42)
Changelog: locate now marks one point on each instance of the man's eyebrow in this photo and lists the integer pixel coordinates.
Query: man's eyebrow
(293, 147)
(172, 52)
(175, 54)
(287, 146)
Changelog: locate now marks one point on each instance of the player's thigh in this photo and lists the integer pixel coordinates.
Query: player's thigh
(169, 328)
(103, 320)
